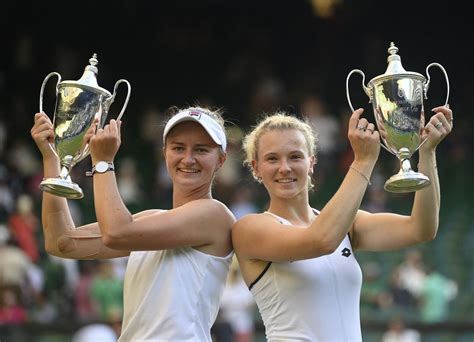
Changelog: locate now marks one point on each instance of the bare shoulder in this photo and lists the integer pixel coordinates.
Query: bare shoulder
(255, 221)
(361, 214)
(251, 227)
(213, 209)
(361, 218)
(216, 221)
(208, 215)
(146, 213)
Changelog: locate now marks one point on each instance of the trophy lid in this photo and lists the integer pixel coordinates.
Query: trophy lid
(88, 79)
(395, 68)
(394, 61)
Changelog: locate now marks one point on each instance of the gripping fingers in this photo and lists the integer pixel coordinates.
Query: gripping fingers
(370, 128)
(362, 124)
(439, 124)
(41, 118)
(444, 114)
(354, 120)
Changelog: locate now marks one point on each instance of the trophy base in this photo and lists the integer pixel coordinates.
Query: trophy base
(62, 188)
(406, 182)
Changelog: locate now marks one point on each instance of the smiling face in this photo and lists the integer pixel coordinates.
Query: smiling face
(192, 157)
(283, 162)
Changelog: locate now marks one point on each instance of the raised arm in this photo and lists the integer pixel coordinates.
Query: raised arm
(62, 237)
(385, 231)
(262, 237)
(203, 223)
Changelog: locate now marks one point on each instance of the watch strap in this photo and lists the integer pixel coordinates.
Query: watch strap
(110, 167)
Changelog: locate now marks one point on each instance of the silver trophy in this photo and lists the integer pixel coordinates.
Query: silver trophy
(78, 104)
(397, 99)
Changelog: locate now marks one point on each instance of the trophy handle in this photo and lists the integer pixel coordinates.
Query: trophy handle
(44, 84)
(366, 89)
(427, 85)
(429, 79)
(126, 99)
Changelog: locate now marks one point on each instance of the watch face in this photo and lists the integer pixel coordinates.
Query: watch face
(101, 167)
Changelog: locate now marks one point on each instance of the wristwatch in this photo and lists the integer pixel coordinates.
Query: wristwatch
(101, 167)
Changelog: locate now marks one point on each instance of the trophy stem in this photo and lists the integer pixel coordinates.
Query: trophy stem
(406, 180)
(62, 186)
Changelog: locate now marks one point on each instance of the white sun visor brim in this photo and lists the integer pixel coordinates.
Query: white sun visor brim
(212, 127)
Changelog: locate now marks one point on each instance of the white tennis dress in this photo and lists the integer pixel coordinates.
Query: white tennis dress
(172, 295)
(311, 300)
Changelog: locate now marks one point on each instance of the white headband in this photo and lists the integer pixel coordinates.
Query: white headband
(211, 126)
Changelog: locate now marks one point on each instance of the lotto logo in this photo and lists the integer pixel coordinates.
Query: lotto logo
(346, 252)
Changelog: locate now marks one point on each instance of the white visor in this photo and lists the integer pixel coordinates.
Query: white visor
(211, 126)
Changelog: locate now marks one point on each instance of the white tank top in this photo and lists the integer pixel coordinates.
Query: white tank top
(311, 300)
(172, 295)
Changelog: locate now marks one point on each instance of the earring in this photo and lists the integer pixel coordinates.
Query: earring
(259, 179)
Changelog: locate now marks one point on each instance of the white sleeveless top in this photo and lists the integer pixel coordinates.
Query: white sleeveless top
(172, 295)
(311, 300)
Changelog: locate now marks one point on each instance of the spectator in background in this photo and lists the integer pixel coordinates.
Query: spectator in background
(55, 288)
(106, 291)
(84, 304)
(374, 296)
(128, 182)
(412, 273)
(242, 203)
(23, 224)
(68, 271)
(14, 263)
(43, 310)
(326, 127)
(11, 310)
(7, 199)
(99, 332)
(398, 332)
(231, 172)
(437, 293)
(401, 297)
(22, 158)
(238, 306)
(377, 199)
(268, 93)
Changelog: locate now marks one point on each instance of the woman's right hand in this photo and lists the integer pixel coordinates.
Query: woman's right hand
(364, 139)
(43, 135)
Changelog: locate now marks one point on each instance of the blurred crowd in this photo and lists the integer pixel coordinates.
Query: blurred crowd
(429, 284)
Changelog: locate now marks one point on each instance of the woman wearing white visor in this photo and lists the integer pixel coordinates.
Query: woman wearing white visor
(178, 258)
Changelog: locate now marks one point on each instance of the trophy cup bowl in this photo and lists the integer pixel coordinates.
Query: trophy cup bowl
(78, 105)
(397, 99)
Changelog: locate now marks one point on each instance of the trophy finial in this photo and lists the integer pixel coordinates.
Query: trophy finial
(90, 73)
(94, 61)
(392, 49)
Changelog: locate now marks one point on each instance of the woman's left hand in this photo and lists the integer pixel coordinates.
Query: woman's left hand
(439, 126)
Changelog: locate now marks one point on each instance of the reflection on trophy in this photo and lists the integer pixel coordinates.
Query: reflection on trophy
(397, 99)
(78, 104)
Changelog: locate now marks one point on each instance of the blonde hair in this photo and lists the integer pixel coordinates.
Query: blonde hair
(282, 121)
